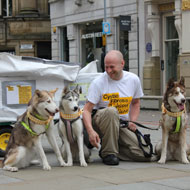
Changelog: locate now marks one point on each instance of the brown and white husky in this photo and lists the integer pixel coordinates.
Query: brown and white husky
(25, 140)
(174, 124)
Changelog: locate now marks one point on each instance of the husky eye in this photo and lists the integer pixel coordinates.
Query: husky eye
(49, 101)
(176, 93)
(70, 99)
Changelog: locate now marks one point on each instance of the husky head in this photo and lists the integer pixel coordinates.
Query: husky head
(174, 98)
(42, 102)
(69, 100)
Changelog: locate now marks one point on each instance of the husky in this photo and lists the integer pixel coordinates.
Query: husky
(25, 139)
(174, 124)
(71, 128)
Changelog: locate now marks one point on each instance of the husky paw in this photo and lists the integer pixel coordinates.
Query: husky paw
(83, 164)
(161, 161)
(61, 162)
(11, 169)
(185, 161)
(68, 164)
(47, 167)
(90, 160)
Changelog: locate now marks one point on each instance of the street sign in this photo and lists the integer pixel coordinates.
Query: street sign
(106, 28)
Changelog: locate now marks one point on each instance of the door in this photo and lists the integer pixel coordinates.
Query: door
(170, 49)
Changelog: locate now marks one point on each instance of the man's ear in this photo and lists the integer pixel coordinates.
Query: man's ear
(123, 63)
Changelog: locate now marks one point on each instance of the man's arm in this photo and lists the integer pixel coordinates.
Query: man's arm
(134, 113)
(93, 136)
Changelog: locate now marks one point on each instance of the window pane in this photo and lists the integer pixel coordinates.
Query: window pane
(172, 51)
(124, 48)
(91, 43)
(171, 32)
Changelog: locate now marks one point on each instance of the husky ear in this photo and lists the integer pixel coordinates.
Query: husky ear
(53, 91)
(38, 93)
(170, 84)
(78, 89)
(65, 90)
(182, 81)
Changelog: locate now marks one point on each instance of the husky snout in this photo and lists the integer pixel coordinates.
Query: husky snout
(183, 100)
(75, 108)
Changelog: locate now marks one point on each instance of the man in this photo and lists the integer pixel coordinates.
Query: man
(115, 95)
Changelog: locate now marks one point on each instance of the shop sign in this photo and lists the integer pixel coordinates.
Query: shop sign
(125, 23)
(92, 35)
(185, 5)
(166, 7)
(26, 46)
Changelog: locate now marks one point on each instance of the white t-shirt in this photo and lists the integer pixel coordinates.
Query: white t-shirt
(104, 91)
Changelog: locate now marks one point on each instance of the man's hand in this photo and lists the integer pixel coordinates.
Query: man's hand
(132, 126)
(94, 139)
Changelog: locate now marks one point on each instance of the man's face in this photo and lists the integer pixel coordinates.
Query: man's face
(114, 67)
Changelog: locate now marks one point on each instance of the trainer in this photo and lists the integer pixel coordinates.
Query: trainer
(113, 96)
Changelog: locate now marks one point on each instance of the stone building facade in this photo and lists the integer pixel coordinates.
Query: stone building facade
(76, 28)
(25, 28)
(167, 33)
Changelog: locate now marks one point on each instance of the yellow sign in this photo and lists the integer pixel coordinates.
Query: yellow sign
(166, 7)
(121, 103)
(25, 94)
(10, 88)
(104, 40)
(185, 5)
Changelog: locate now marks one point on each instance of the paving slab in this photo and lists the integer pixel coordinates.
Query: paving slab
(97, 176)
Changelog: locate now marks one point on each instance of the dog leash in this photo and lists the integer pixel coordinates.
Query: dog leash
(124, 124)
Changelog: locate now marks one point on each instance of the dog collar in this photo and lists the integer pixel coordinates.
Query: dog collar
(39, 119)
(71, 116)
(172, 114)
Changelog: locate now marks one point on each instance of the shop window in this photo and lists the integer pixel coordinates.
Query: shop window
(91, 43)
(6, 7)
(123, 26)
(124, 48)
(64, 43)
(171, 48)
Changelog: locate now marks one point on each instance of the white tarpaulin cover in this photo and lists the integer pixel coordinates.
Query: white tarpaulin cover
(21, 76)
(12, 65)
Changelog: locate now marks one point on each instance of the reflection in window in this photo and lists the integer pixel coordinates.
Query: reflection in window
(6, 7)
(91, 43)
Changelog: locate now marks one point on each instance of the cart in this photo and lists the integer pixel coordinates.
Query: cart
(20, 76)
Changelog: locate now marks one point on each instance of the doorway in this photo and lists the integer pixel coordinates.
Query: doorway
(170, 49)
(43, 49)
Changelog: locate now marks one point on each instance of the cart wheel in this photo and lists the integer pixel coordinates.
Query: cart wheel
(5, 134)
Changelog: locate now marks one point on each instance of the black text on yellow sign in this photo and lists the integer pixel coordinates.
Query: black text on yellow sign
(121, 103)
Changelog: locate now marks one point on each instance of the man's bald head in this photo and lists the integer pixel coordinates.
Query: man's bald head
(114, 64)
(114, 54)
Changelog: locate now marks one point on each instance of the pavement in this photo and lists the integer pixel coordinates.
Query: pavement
(97, 176)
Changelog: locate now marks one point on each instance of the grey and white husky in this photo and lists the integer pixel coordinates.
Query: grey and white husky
(25, 140)
(71, 128)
